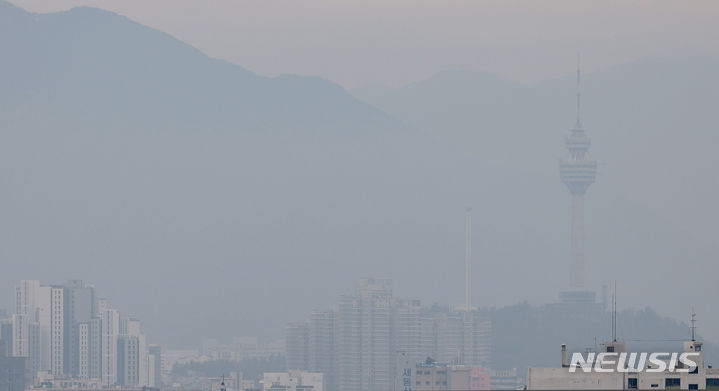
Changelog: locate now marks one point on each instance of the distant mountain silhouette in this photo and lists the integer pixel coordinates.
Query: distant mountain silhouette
(210, 201)
(96, 60)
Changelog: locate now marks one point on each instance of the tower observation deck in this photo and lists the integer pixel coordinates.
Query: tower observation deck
(577, 171)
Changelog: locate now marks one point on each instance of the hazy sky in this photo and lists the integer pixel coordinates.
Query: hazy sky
(396, 42)
(199, 217)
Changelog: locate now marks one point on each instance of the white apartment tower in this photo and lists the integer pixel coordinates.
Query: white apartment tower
(57, 330)
(377, 358)
(32, 322)
(110, 333)
(94, 348)
(83, 350)
(131, 354)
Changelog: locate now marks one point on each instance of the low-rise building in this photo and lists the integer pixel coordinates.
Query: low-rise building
(506, 379)
(293, 380)
(615, 376)
(431, 376)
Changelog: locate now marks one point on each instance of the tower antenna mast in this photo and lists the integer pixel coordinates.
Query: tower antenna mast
(579, 93)
(694, 325)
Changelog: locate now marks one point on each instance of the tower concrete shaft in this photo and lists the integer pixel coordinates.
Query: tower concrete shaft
(468, 260)
(576, 268)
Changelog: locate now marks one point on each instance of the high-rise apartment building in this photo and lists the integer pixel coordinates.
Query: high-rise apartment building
(110, 333)
(94, 348)
(14, 371)
(57, 330)
(82, 350)
(297, 337)
(45, 325)
(79, 303)
(408, 329)
(347, 343)
(356, 343)
(63, 330)
(321, 346)
(31, 325)
(155, 355)
(131, 354)
(128, 360)
(375, 314)
(6, 336)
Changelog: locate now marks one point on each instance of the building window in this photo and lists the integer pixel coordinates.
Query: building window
(632, 383)
(712, 384)
(672, 383)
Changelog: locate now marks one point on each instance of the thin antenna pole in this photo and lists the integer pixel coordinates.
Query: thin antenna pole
(693, 327)
(579, 94)
(468, 260)
(614, 313)
(595, 343)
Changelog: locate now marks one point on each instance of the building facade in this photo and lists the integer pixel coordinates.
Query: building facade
(293, 380)
(14, 371)
(67, 334)
(624, 378)
(355, 345)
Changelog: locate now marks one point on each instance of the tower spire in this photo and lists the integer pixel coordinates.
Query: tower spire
(579, 93)
(694, 326)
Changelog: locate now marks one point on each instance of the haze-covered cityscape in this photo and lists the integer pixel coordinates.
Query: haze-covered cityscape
(346, 196)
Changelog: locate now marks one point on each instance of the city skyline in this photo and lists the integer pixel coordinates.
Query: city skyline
(195, 192)
(327, 343)
(64, 331)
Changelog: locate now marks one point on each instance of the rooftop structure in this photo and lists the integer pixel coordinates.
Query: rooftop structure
(635, 371)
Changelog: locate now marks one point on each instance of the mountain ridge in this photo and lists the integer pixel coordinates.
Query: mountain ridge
(121, 57)
(136, 163)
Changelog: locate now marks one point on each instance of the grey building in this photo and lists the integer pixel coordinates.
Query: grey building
(297, 340)
(6, 336)
(156, 353)
(79, 303)
(128, 360)
(321, 346)
(14, 371)
(355, 345)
